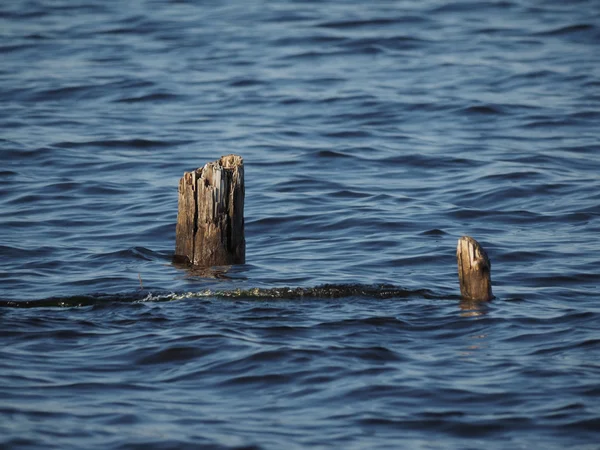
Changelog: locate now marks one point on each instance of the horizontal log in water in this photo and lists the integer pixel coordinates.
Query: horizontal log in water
(474, 270)
(210, 218)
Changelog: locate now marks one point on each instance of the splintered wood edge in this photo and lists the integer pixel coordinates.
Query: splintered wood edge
(223, 181)
(477, 255)
(186, 218)
(474, 270)
(231, 161)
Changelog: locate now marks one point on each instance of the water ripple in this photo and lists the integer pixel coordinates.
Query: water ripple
(374, 135)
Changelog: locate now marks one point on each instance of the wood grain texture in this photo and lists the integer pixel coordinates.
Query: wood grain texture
(474, 270)
(217, 208)
(186, 219)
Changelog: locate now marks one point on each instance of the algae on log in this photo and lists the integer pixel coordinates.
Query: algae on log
(474, 270)
(210, 218)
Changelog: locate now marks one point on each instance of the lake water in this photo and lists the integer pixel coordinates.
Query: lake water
(374, 135)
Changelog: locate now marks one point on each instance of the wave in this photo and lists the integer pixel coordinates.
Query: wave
(327, 291)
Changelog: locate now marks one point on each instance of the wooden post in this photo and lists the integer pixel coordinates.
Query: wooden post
(210, 218)
(474, 269)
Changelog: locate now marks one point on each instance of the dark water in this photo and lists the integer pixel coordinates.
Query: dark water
(374, 135)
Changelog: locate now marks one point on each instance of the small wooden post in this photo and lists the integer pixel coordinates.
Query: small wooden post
(474, 270)
(210, 218)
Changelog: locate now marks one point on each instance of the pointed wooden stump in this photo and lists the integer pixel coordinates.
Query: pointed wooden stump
(210, 218)
(474, 270)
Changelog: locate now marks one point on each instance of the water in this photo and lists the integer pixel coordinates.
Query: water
(374, 135)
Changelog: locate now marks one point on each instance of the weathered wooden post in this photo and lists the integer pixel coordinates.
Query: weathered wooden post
(474, 269)
(210, 218)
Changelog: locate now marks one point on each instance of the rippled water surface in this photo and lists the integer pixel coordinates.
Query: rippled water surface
(374, 134)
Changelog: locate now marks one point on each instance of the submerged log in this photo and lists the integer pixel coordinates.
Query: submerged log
(210, 218)
(474, 270)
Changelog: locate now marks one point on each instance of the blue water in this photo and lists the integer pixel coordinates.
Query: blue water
(374, 135)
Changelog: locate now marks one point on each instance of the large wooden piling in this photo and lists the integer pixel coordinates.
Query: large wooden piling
(210, 218)
(474, 270)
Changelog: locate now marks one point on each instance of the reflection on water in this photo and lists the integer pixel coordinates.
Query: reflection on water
(473, 308)
(214, 272)
(478, 342)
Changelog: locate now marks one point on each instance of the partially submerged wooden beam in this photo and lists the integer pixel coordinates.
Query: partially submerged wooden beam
(210, 218)
(474, 270)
